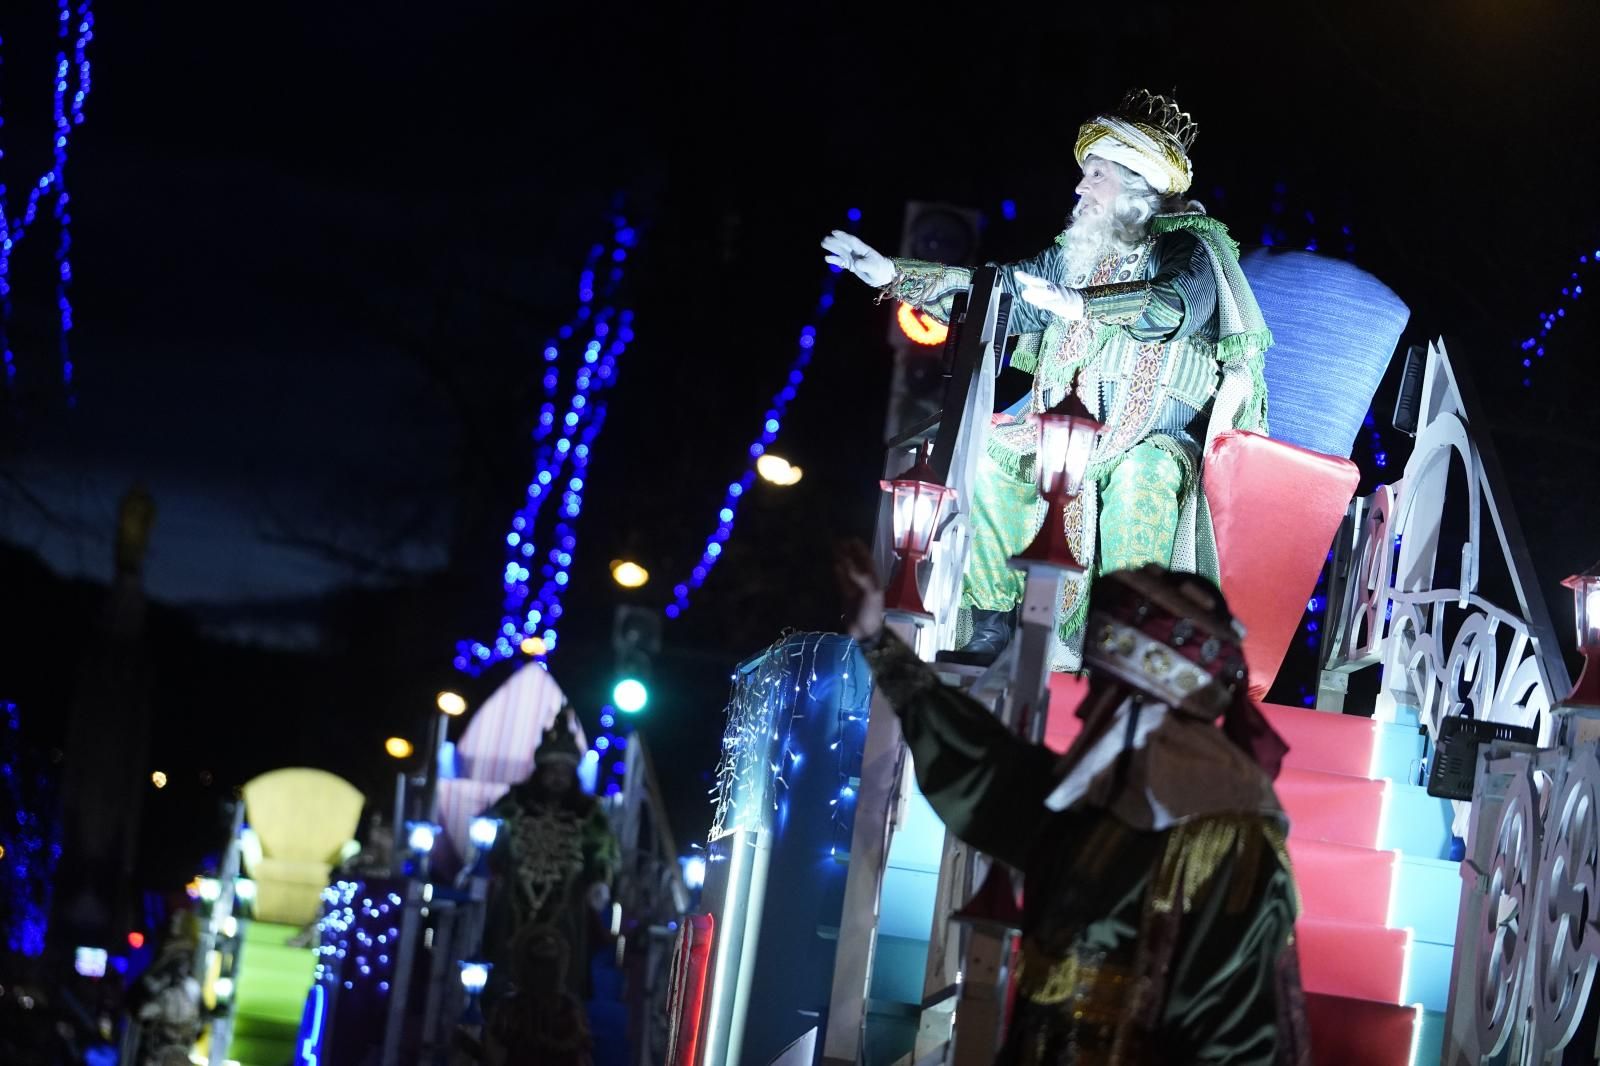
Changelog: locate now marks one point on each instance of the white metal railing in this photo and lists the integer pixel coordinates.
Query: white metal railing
(1405, 592)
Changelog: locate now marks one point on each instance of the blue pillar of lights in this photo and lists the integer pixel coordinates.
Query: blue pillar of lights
(776, 862)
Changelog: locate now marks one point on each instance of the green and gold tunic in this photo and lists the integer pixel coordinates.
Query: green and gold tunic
(1169, 354)
(1140, 946)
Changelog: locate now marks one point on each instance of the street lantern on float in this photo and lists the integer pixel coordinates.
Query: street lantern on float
(1586, 605)
(920, 505)
(1067, 434)
(451, 703)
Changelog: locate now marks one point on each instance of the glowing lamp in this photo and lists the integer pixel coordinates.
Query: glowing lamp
(136, 940)
(921, 504)
(90, 962)
(223, 988)
(451, 703)
(158, 779)
(398, 747)
(629, 574)
(778, 470)
(630, 695)
(420, 836)
(1067, 434)
(245, 889)
(210, 889)
(534, 646)
(694, 871)
(1586, 605)
(482, 832)
(919, 326)
(474, 976)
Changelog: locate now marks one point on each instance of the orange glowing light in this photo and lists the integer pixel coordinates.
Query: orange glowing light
(136, 940)
(919, 326)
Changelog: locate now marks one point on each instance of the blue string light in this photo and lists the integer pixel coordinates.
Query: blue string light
(1571, 292)
(31, 839)
(563, 442)
(71, 89)
(771, 423)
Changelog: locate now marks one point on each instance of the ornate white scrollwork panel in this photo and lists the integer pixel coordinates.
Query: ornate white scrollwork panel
(1368, 590)
(1567, 943)
(1488, 672)
(1501, 940)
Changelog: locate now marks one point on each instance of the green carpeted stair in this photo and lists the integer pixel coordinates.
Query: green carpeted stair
(270, 992)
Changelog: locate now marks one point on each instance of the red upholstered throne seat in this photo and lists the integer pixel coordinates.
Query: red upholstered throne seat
(1275, 508)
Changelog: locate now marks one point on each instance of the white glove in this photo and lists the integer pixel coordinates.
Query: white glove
(1048, 296)
(849, 252)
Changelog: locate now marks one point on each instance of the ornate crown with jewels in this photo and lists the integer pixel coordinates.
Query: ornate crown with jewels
(1148, 134)
(1146, 108)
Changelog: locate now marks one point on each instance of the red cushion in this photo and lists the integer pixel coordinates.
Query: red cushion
(1275, 509)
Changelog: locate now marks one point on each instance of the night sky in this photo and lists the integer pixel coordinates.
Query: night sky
(318, 247)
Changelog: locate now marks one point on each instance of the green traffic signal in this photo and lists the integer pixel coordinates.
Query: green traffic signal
(630, 695)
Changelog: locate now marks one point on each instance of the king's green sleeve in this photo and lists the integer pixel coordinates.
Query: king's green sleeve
(932, 287)
(987, 784)
(1177, 300)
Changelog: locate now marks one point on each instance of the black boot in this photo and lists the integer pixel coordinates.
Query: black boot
(991, 632)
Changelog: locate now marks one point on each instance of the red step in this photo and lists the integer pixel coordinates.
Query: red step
(1322, 740)
(1345, 1032)
(1333, 807)
(1351, 959)
(1318, 740)
(1343, 882)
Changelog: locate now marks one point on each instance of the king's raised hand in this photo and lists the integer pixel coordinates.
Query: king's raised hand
(849, 252)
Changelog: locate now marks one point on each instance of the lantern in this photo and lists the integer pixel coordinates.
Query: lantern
(1586, 605)
(474, 977)
(1067, 434)
(921, 504)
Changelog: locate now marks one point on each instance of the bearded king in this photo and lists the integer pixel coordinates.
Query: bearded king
(1141, 309)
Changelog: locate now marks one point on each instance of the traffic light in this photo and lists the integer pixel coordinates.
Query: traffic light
(635, 639)
(938, 233)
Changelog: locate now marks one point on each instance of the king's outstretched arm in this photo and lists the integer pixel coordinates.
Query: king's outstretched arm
(932, 287)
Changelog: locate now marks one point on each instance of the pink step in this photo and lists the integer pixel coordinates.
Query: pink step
(1332, 807)
(1318, 740)
(1343, 882)
(1321, 740)
(1358, 1031)
(1351, 959)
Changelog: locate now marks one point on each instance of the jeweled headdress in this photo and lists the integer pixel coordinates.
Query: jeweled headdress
(1170, 636)
(1147, 133)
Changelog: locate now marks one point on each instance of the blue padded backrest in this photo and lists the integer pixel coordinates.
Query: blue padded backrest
(1334, 329)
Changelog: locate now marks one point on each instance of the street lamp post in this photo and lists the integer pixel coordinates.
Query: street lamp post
(921, 503)
(1586, 605)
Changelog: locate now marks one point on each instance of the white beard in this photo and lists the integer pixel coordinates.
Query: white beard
(1090, 238)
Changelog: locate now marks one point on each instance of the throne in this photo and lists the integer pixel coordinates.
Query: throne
(1276, 503)
(302, 822)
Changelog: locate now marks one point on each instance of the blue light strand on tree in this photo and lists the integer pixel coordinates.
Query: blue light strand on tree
(563, 443)
(1533, 348)
(75, 23)
(771, 423)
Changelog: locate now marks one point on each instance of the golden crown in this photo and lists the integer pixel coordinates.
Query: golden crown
(1162, 112)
